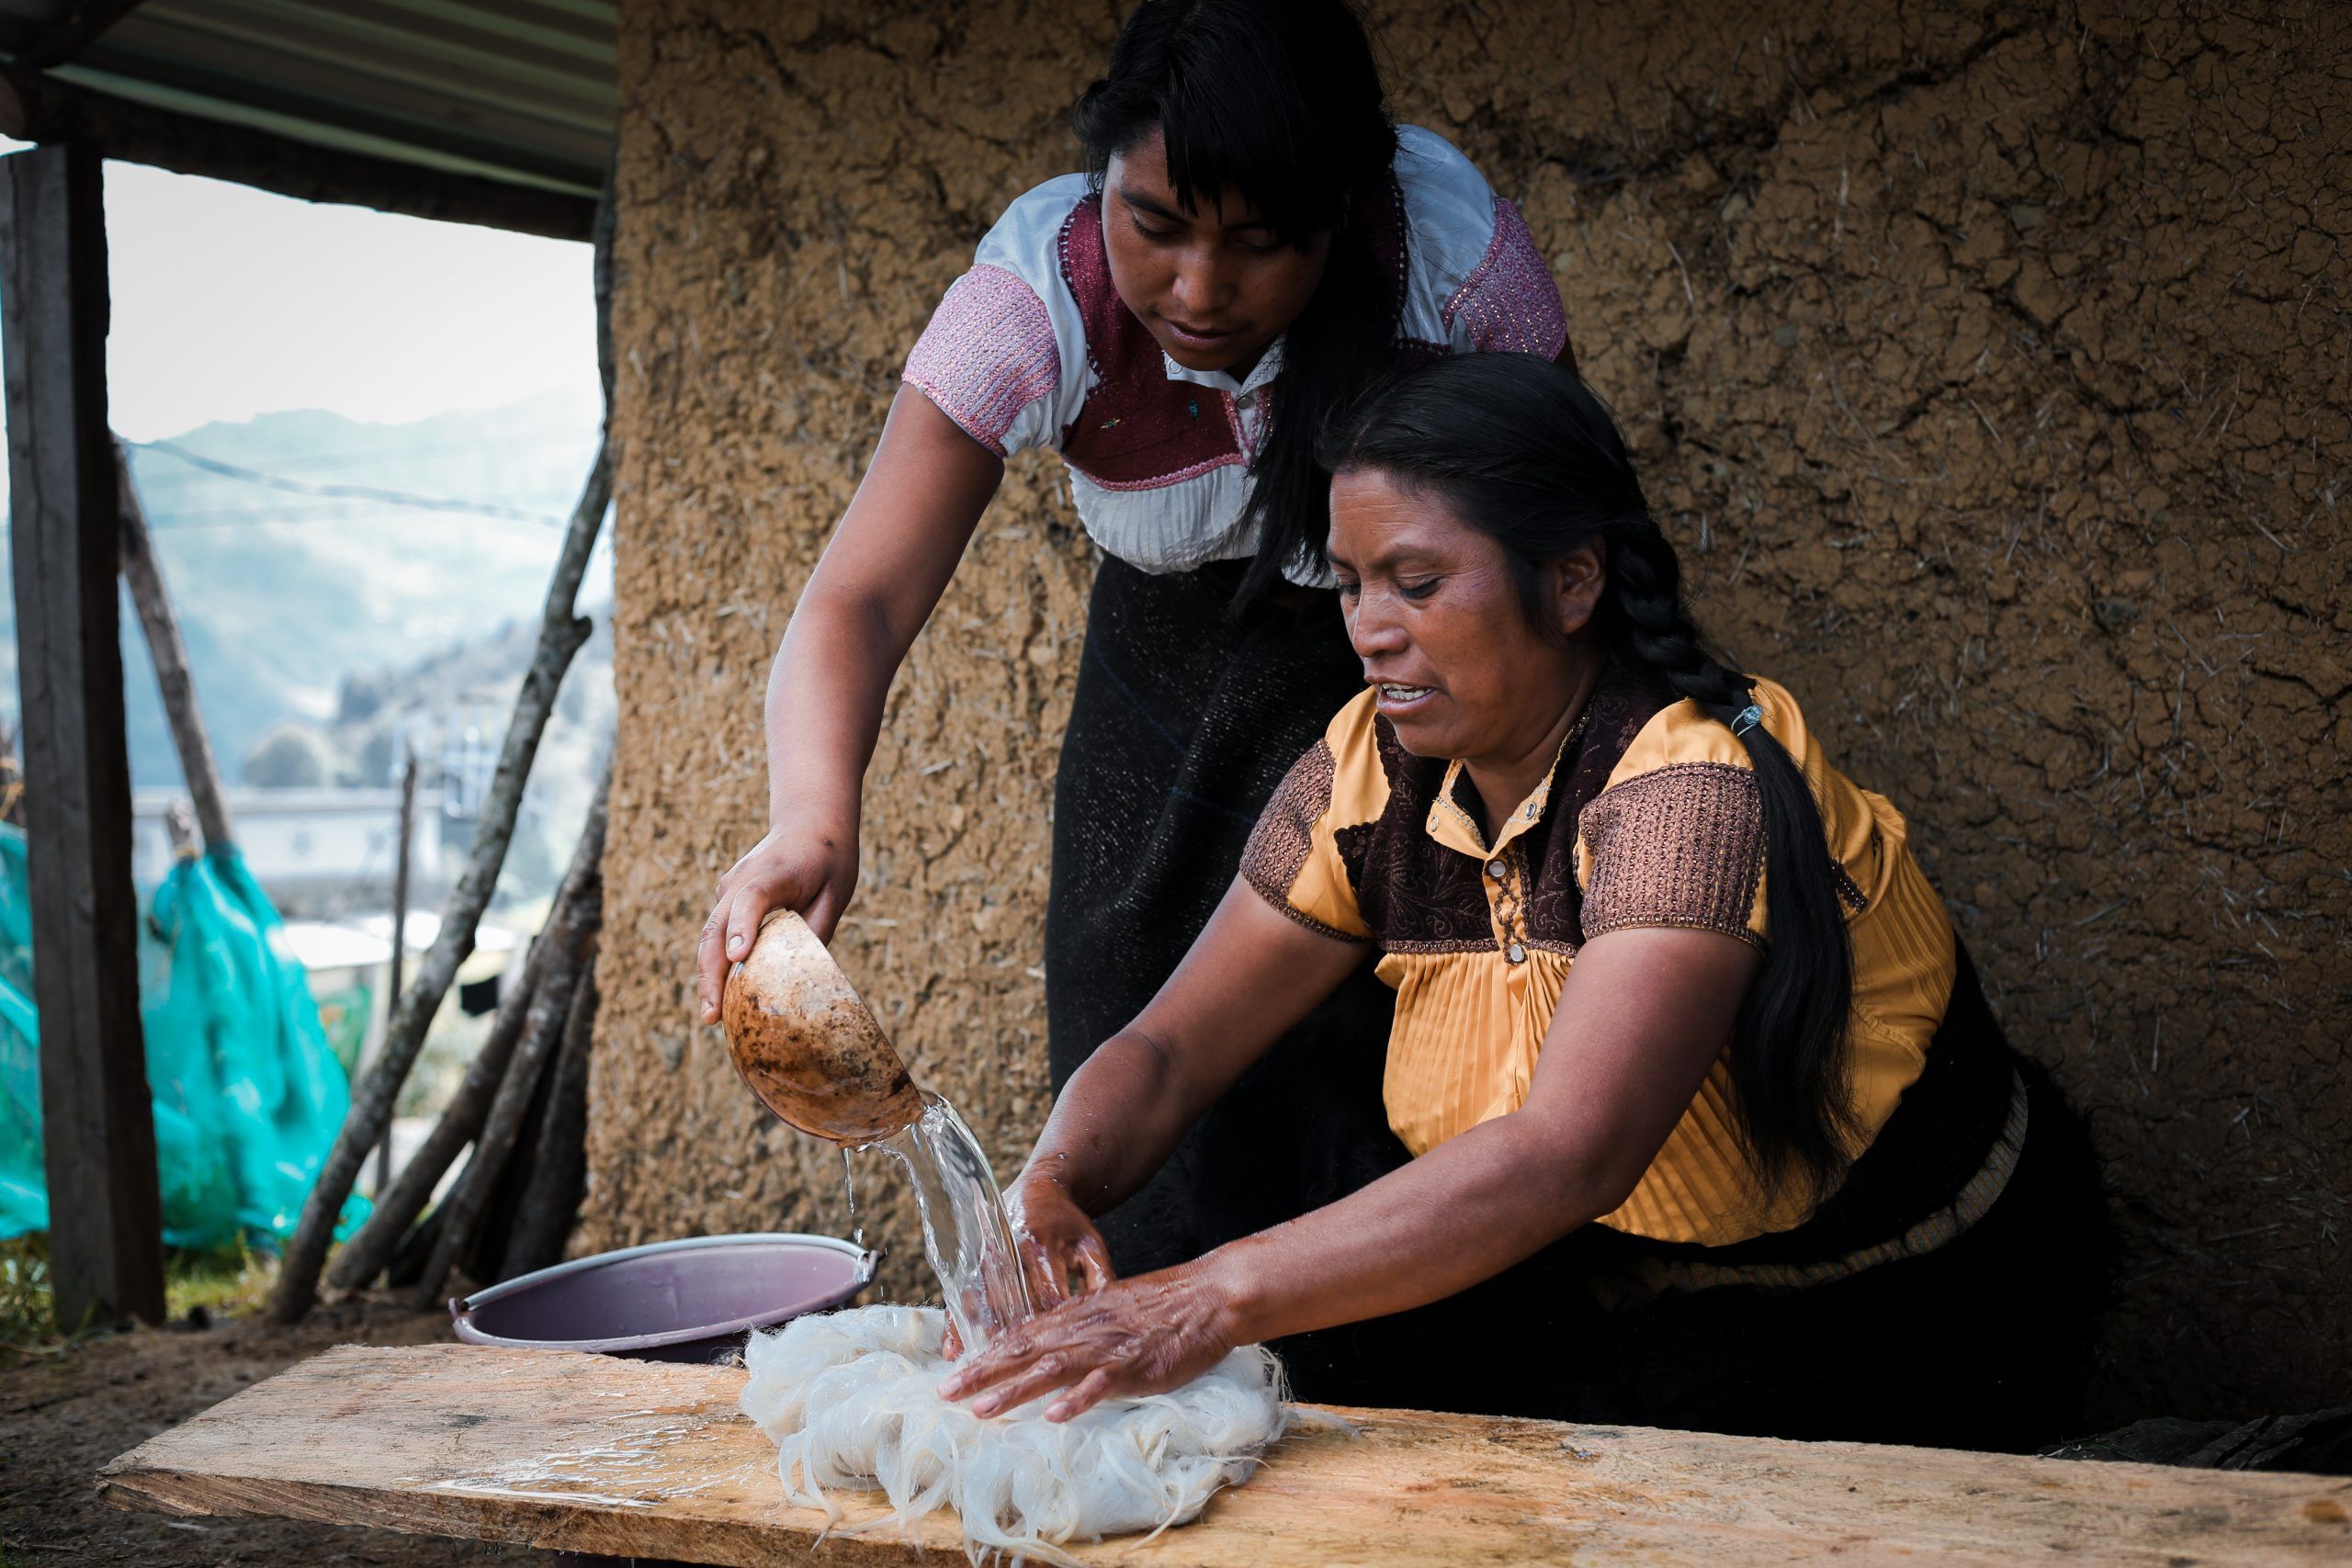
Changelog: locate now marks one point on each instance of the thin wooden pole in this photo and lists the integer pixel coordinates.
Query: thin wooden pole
(399, 935)
(145, 575)
(106, 1224)
(374, 1244)
(561, 632)
(542, 1037)
(560, 636)
(551, 1201)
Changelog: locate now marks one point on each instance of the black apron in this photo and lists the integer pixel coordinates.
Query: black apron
(1186, 719)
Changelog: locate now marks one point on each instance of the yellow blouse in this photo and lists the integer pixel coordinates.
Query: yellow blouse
(1665, 828)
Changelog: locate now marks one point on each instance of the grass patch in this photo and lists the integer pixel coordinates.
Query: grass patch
(224, 1282)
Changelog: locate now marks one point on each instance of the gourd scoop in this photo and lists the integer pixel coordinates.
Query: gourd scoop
(807, 1046)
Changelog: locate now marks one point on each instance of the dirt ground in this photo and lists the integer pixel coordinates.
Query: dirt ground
(65, 1413)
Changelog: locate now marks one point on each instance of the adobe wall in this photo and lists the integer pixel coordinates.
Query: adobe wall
(1991, 365)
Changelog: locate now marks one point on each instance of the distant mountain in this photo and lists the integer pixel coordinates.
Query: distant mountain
(282, 594)
(337, 624)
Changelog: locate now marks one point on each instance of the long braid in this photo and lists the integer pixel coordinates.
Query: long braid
(1646, 582)
(1792, 1072)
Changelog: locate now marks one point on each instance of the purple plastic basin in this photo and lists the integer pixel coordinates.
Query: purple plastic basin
(670, 1300)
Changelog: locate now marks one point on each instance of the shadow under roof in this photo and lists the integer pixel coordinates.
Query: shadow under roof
(518, 91)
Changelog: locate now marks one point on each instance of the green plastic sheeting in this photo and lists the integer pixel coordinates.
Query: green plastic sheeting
(247, 1096)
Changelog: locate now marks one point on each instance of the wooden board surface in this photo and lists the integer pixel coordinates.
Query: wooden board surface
(590, 1453)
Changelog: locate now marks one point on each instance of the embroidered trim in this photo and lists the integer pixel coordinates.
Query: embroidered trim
(1069, 277)
(1163, 480)
(1510, 896)
(988, 354)
(1680, 846)
(1509, 302)
(1278, 845)
(1284, 907)
(1847, 889)
(1483, 945)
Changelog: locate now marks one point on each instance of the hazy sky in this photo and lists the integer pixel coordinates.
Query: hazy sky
(230, 302)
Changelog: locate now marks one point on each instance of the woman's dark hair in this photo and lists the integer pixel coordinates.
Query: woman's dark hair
(1522, 450)
(1279, 101)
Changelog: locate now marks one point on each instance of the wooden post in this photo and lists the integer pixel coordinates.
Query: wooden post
(400, 934)
(106, 1230)
(145, 575)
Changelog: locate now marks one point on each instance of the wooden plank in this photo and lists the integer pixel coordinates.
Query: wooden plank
(105, 1238)
(588, 1453)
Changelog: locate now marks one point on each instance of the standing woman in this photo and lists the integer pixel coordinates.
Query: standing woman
(1253, 243)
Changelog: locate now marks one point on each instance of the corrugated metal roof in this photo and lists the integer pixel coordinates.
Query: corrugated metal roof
(517, 90)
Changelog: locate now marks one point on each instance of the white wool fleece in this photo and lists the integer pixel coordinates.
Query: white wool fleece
(850, 1400)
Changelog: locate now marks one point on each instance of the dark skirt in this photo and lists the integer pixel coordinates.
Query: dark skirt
(1186, 719)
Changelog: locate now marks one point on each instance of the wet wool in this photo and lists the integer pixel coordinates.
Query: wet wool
(850, 1399)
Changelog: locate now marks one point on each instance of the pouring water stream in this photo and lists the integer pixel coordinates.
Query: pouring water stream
(815, 1057)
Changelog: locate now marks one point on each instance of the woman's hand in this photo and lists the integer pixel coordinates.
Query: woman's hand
(810, 868)
(1062, 1255)
(1061, 1252)
(1133, 1337)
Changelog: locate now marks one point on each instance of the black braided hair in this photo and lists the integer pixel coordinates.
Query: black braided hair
(1281, 102)
(1522, 450)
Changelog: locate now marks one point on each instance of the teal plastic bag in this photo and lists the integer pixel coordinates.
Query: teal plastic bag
(248, 1098)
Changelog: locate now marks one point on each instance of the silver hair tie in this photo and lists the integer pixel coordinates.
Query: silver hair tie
(1748, 718)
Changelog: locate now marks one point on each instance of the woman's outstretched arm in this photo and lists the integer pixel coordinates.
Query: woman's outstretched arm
(880, 577)
(1645, 1014)
(1249, 976)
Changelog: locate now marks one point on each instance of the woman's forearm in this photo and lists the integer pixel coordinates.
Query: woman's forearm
(1250, 974)
(1624, 1057)
(825, 697)
(1117, 1120)
(1460, 1215)
(878, 581)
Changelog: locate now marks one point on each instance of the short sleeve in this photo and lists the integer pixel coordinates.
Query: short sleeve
(1291, 859)
(1681, 845)
(1476, 283)
(989, 361)
(1508, 304)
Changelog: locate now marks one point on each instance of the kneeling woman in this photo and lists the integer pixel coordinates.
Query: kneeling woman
(1702, 1120)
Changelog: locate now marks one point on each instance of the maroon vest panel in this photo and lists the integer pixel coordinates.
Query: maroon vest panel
(1139, 429)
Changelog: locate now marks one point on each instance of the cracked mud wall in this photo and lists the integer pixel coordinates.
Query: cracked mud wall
(1989, 363)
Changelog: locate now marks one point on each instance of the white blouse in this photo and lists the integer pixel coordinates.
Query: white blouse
(1006, 354)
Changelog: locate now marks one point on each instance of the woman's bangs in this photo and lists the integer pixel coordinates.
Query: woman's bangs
(1229, 137)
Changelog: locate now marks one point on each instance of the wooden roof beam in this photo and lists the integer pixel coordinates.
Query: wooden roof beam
(34, 108)
(80, 27)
